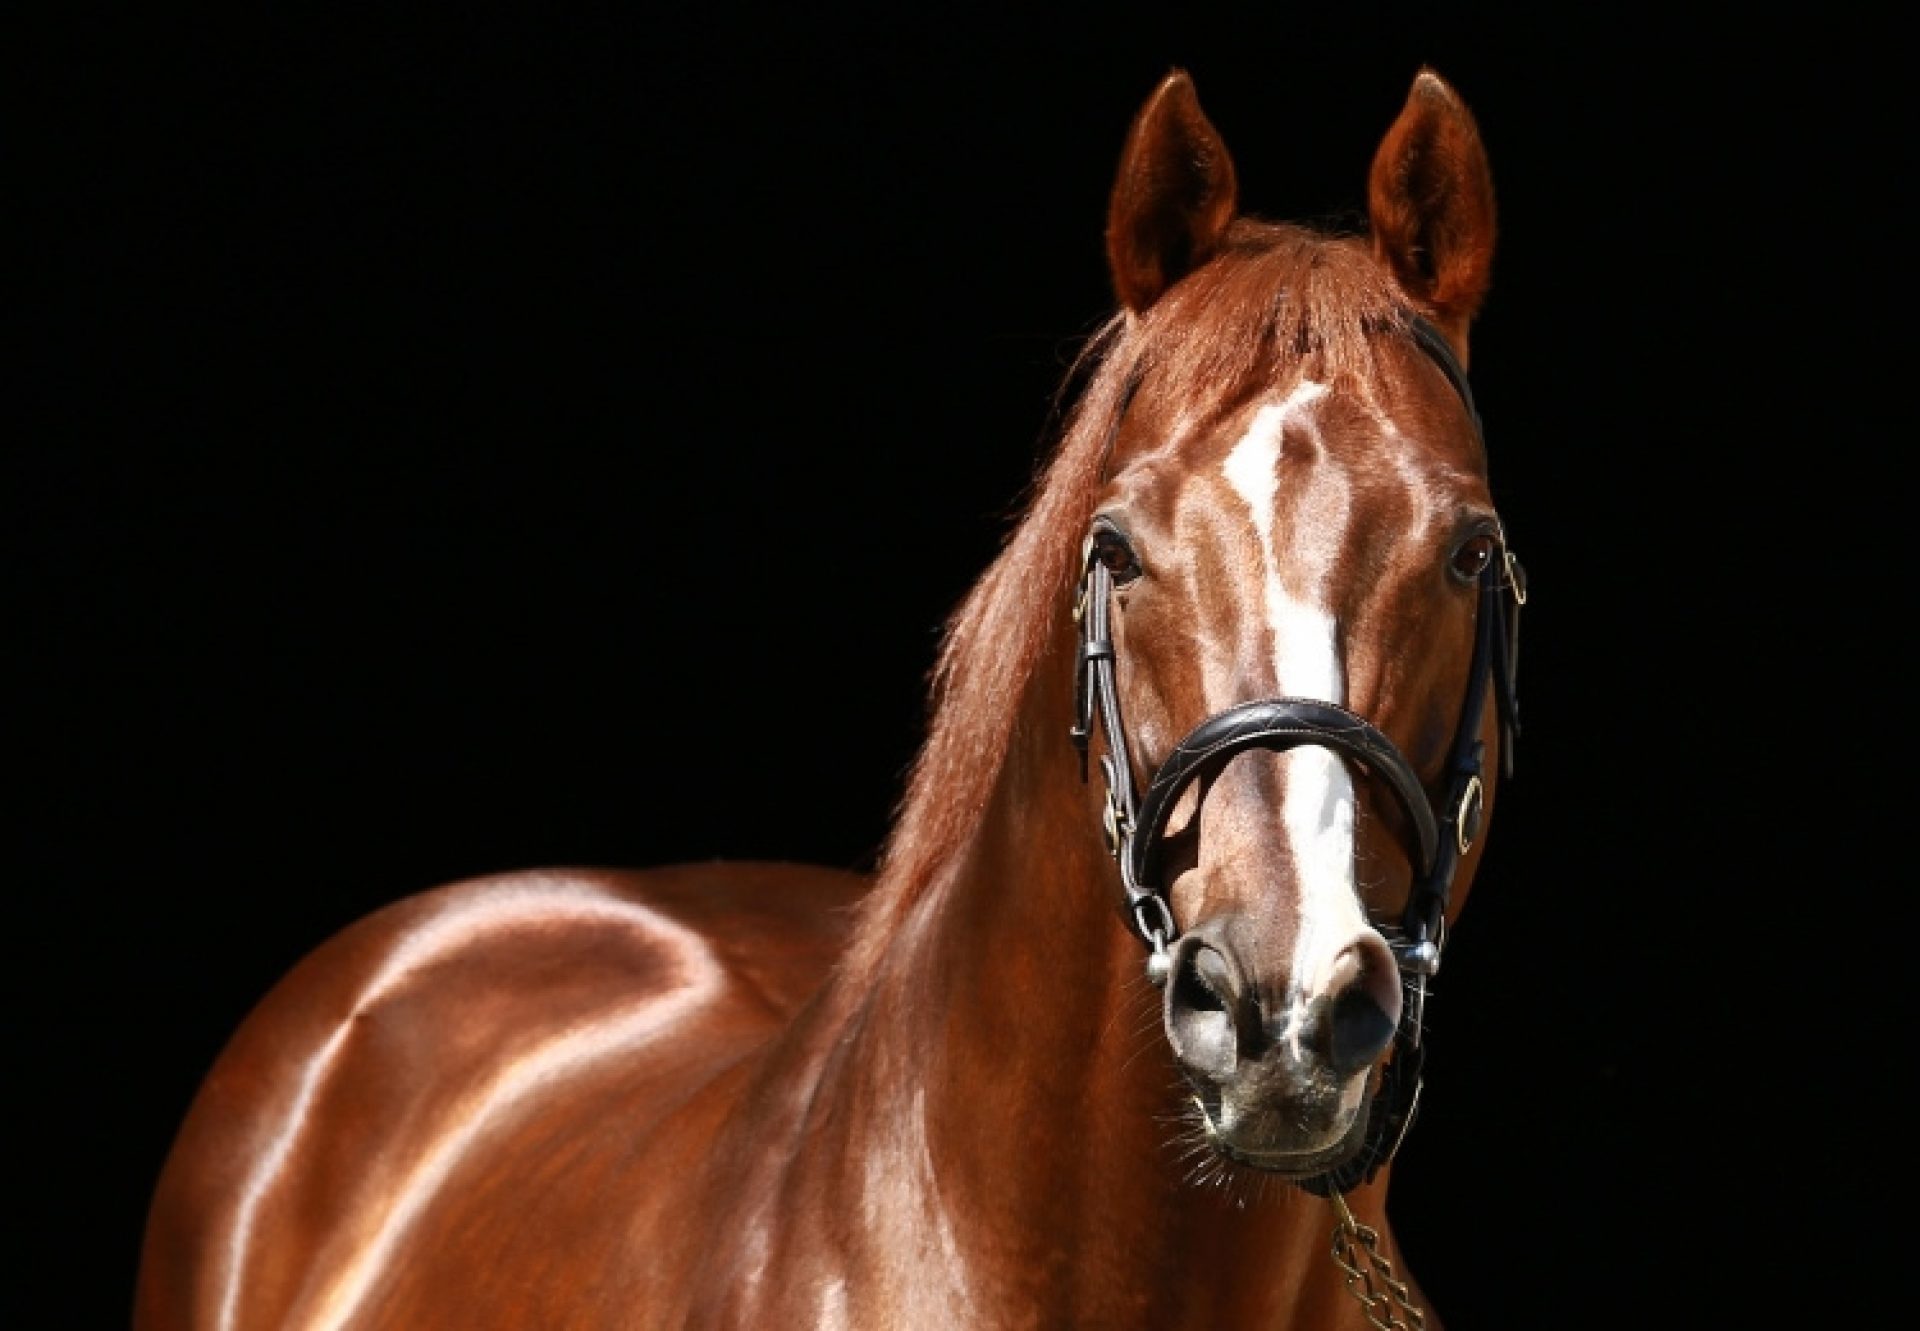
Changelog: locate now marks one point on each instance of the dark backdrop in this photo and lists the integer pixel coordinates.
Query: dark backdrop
(530, 441)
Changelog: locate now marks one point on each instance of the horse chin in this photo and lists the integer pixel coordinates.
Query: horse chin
(1255, 1141)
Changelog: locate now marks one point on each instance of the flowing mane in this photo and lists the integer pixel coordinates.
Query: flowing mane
(1277, 289)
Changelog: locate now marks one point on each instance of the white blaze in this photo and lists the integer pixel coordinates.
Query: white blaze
(1317, 808)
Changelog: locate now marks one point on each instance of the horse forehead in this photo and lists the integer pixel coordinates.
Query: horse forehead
(1310, 443)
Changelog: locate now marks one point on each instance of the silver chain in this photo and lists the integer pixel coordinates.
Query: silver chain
(1370, 1276)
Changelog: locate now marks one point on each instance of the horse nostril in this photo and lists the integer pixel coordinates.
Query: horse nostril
(1207, 981)
(1366, 1011)
(1199, 1010)
(1360, 1031)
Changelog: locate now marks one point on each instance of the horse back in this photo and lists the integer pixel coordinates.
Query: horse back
(471, 1073)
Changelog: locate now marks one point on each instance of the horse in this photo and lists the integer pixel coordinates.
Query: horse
(1125, 1026)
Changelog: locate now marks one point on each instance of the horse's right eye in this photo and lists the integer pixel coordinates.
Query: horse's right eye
(1115, 555)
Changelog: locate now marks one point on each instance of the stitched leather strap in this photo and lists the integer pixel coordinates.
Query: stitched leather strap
(1279, 724)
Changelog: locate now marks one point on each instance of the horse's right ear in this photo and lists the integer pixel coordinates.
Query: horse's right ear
(1173, 198)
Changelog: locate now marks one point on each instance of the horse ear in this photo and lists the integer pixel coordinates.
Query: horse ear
(1173, 197)
(1430, 205)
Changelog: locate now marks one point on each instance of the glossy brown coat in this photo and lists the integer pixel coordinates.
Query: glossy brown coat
(763, 1095)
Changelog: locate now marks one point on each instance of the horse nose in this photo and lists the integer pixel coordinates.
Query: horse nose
(1215, 1017)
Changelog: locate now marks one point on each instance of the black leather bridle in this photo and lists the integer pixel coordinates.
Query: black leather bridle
(1135, 827)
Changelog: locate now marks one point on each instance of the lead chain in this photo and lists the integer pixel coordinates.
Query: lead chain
(1370, 1277)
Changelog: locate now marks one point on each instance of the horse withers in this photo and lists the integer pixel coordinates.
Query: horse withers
(1125, 1028)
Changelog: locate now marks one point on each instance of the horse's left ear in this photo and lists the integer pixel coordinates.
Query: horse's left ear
(1173, 198)
(1430, 205)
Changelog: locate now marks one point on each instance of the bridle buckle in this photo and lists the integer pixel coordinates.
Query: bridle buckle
(1114, 817)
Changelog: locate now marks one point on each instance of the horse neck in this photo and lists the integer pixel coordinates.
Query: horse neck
(1002, 1083)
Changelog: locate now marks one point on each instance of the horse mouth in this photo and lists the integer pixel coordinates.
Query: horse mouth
(1245, 1147)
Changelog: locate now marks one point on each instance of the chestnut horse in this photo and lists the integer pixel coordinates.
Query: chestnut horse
(1125, 1028)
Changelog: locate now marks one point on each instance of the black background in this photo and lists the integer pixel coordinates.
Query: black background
(521, 441)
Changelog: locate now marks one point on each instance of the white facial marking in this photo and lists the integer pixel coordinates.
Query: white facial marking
(1304, 662)
(1317, 811)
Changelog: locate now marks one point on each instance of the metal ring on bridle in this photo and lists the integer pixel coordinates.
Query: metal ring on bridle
(1158, 934)
(1467, 817)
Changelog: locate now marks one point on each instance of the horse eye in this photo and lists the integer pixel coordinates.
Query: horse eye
(1113, 551)
(1473, 556)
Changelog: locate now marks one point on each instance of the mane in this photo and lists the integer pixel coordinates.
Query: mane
(1276, 293)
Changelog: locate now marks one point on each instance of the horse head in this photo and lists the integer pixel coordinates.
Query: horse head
(1294, 622)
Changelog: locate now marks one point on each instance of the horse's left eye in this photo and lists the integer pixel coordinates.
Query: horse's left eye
(1473, 556)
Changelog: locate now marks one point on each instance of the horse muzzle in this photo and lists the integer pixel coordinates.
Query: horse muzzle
(1281, 1078)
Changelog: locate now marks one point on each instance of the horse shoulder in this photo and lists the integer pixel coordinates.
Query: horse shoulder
(464, 1063)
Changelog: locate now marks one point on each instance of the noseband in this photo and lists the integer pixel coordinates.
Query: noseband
(1135, 827)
